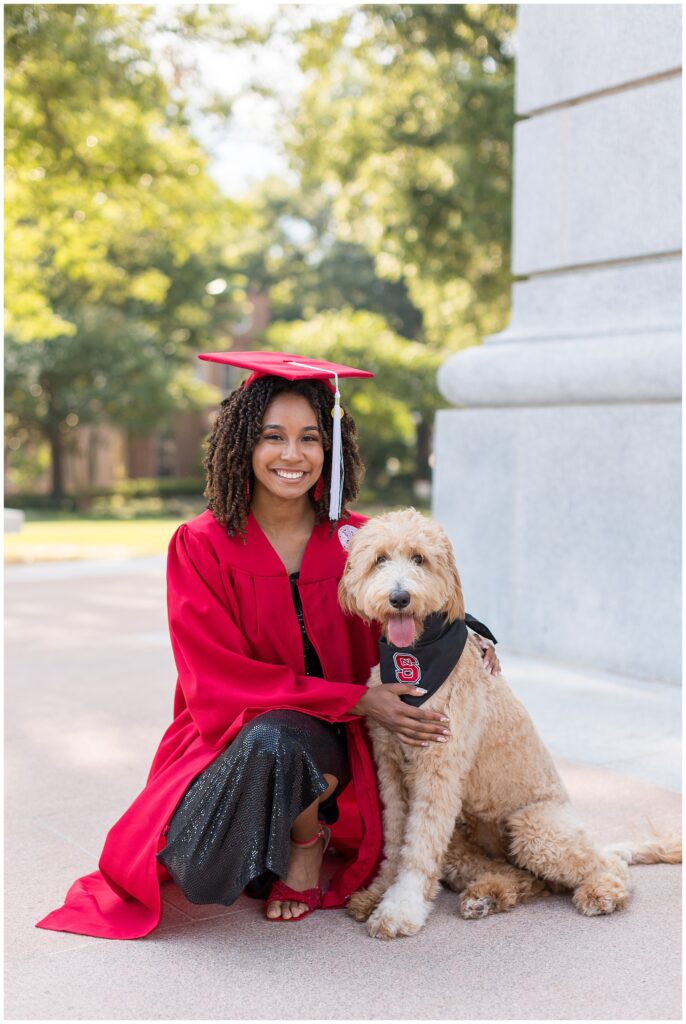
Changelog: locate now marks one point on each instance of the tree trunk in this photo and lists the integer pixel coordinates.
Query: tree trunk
(57, 463)
(423, 450)
(92, 456)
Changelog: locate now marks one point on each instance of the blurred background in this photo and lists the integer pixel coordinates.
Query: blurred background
(333, 180)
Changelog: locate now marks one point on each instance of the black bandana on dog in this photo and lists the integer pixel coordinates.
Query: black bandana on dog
(429, 662)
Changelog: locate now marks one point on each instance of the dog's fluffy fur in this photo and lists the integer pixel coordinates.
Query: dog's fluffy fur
(486, 812)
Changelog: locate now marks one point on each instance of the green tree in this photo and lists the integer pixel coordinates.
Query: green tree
(117, 234)
(406, 122)
(291, 251)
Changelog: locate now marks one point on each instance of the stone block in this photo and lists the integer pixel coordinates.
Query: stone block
(618, 368)
(572, 50)
(599, 181)
(14, 520)
(605, 301)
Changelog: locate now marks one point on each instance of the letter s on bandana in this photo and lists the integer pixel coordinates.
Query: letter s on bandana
(407, 668)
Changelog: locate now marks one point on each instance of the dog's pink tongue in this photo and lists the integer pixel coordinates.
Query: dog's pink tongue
(401, 630)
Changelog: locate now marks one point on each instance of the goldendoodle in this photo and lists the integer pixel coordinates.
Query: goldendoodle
(485, 811)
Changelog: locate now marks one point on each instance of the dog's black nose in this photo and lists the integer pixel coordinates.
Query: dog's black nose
(399, 598)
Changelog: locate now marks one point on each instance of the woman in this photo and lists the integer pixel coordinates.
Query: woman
(262, 742)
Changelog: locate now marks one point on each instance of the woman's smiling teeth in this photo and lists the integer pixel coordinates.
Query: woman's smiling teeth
(286, 474)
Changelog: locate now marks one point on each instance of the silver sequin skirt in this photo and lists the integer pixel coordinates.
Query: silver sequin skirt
(231, 831)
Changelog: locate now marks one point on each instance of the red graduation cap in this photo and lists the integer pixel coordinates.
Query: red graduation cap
(284, 364)
(295, 367)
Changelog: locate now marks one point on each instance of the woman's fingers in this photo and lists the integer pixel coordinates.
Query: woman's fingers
(422, 732)
(491, 662)
(425, 732)
(427, 722)
(409, 742)
(419, 724)
(413, 743)
(426, 716)
(402, 689)
(431, 737)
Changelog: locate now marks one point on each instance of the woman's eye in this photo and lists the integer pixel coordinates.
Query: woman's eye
(272, 437)
(381, 559)
(310, 437)
(417, 559)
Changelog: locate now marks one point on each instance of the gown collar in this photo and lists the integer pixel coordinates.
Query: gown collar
(314, 563)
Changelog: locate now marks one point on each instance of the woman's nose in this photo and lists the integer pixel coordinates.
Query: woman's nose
(292, 450)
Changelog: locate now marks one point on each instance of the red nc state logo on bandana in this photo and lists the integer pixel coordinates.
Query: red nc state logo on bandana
(407, 668)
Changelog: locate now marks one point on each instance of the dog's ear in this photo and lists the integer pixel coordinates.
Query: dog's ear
(454, 606)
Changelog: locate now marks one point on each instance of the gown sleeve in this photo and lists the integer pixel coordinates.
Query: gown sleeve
(222, 683)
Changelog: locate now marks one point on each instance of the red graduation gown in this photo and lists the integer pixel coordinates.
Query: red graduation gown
(238, 653)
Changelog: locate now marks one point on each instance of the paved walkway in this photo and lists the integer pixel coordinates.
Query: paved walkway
(86, 644)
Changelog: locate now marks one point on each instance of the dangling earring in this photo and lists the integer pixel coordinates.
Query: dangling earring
(318, 489)
(247, 489)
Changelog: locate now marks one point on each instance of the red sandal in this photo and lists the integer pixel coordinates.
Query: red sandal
(311, 897)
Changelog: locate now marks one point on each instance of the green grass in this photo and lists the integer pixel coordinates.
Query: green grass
(46, 539)
(49, 536)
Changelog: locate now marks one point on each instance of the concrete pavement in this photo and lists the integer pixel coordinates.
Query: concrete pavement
(89, 691)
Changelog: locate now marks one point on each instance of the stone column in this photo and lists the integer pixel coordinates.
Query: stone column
(558, 475)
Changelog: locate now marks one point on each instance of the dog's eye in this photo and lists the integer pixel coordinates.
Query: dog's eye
(381, 559)
(417, 559)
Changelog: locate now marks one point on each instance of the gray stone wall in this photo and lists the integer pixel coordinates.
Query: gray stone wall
(558, 471)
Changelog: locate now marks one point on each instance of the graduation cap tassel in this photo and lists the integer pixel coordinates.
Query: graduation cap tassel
(337, 470)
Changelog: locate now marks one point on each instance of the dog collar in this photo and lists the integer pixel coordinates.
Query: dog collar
(429, 661)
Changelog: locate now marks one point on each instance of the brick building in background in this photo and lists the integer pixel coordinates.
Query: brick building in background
(105, 454)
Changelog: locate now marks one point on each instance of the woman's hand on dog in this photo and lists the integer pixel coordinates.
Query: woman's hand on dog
(412, 725)
(491, 663)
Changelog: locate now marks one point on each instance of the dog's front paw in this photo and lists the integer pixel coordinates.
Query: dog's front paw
(493, 893)
(601, 895)
(472, 908)
(383, 925)
(399, 913)
(362, 903)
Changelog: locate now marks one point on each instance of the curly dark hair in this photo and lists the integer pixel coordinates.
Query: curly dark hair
(228, 462)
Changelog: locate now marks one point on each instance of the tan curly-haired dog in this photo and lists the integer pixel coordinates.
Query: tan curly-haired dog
(485, 811)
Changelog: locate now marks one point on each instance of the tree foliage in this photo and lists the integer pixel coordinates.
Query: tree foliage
(114, 226)
(292, 252)
(406, 123)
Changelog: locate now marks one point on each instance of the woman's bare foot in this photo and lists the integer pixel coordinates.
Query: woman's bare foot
(303, 873)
